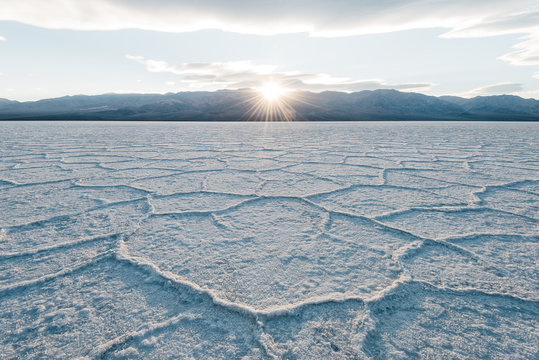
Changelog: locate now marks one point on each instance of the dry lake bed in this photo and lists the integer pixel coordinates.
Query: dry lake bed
(269, 240)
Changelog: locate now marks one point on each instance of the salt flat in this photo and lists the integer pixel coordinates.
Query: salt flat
(269, 240)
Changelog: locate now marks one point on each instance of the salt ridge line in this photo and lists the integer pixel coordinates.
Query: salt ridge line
(261, 198)
(462, 209)
(284, 311)
(64, 245)
(62, 217)
(473, 256)
(10, 289)
(247, 308)
(302, 173)
(276, 197)
(77, 184)
(294, 309)
(101, 350)
(20, 185)
(147, 265)
(421, 288)
(289, 310)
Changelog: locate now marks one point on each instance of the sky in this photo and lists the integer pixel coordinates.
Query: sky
(466, 48)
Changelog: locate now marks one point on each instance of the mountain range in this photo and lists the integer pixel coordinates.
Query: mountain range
(238, 105)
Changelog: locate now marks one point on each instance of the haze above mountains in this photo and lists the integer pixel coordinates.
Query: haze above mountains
(237, 105)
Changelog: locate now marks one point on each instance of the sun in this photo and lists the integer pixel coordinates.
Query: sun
(272, 91)
(271, 101)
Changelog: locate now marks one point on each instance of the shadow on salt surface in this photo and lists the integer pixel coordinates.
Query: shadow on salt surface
(8, 164)
(32, 203)
(507, 171)
(113, 309)
(5, 184)
(206, 333)
(299, 188)
(367, 233)
(430, 164)
(271, 252)
(83, 171)
(371, 161)
(233, 182)
(177, 183)
(226, 181)
(204, 164)
(377, 200)
(319, 331)
(58, 231)
(124, 177)
(164, 164)
(39, 202)
(413, 178)
(195, 202)
(70, 316)
(256, 164)
(515, 201)
(471, 178)
(496, 264)
(94, 158)
(419, 321)
(285, 183)
(35, 174)
(335, 170)
(139, 164)
(531, 186)
(19, 269)
(313, 154)
(441, 224)
(423, 178)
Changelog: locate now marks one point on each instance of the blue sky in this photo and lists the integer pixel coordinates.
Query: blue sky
(66, 47)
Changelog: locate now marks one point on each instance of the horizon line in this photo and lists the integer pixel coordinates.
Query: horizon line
(255, 90)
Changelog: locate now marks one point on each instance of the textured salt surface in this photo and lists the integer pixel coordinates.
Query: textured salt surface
(255, 241)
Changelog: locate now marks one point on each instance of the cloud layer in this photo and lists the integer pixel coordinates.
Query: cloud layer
(319, 17)
(245, 74)
(463, 18)
(495, 89)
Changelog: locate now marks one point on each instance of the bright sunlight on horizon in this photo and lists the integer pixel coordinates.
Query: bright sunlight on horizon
(272, 91)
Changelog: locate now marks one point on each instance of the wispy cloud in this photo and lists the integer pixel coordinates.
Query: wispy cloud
(2, 38)
(245, 74)
(495, 89)
(527, 51)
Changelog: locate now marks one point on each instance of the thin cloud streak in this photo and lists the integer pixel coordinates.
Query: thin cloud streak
(494, 89)
(245, 74)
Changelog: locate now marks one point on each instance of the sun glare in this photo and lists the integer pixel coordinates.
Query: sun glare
(273, 102)
(272, 91)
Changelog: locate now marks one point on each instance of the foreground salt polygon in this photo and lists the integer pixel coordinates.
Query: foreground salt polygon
(254, 241)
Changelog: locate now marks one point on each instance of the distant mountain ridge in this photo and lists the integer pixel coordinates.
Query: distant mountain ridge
(236, 105)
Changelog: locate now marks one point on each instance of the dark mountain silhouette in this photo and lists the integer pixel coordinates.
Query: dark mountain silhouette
(237, 105)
